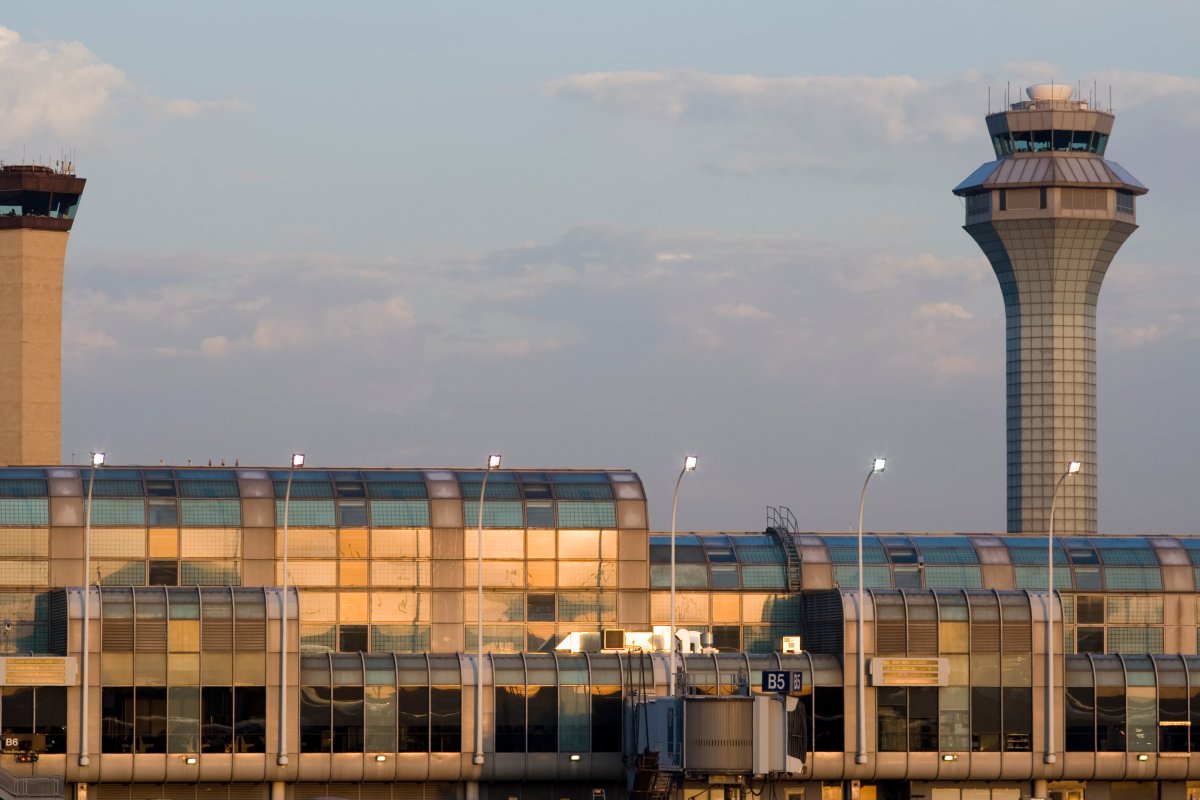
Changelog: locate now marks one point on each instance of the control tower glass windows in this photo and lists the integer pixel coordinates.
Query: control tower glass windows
(38, 204)
(1064, 141)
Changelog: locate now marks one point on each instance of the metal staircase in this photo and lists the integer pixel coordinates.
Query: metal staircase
(781, 523)
(649, 782)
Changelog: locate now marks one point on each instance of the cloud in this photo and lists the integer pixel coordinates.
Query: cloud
(188, 109)
(896, 109)
(1129, 338)
(741, 311)
(65, 90)
(857, 125)
(944, 311)
(886, 271)
(52, 87)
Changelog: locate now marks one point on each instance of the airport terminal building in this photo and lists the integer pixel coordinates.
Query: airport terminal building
(238, 633)
(183, 688)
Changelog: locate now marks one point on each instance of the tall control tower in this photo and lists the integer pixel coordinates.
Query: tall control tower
(1050, 213)
(37, 207)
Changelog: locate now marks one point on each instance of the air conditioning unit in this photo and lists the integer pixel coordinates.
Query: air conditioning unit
(793, 644)
(613, 639)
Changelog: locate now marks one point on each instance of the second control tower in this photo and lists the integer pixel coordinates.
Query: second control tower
(1050, 213)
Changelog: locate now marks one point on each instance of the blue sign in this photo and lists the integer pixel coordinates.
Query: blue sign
(781, 681)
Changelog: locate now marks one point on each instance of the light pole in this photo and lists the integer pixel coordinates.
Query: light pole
(84, 760)
(1049, 757)
(860, 753)
(493, 462)
(282, 758)
(689, 465)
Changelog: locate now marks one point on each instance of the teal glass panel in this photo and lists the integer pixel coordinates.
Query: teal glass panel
(1032, 551)
(496, 513)
(209, 573)
(847, 552)
(583, 514)
(109, 474)
(397, 490)
(578, 477)
(874, 577)
(400, 638)
(118, 512)
(583, 491)
(760, 555)
(1035, 577)
(24, 511)
(574, 719)
(764, 577)
(946, 549)
(110, 488)
(725, 576)
(197, 488)
(306, 513)
(394, 475)
(211, 513)
(129, 573)
(23, 487)
(400, 513)
(1133, 640)
(303, 489)
(1126, 553)
(765, 639)
(202, 474)
(1117, 578)
(496, 490)
(10, 473)
(952, 577)
(687, 576)
(781, 608)
(318, 638)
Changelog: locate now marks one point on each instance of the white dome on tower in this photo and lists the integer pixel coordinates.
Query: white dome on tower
(1049, 91)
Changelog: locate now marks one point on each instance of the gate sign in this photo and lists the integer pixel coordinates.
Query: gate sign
(781, 681)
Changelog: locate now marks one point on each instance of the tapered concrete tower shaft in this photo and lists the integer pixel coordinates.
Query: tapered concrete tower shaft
(37, 207)
(1050, 214)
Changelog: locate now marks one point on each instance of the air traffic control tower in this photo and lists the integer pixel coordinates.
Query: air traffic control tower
(37, 207)
(1050, 213)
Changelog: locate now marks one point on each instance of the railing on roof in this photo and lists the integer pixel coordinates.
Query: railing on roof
(30, 788)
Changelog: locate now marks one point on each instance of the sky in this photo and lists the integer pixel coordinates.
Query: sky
(599, 235)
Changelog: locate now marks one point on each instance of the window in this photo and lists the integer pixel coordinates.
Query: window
(510, 719)
(985, 719)
(892, 702)
(980, 203)
(352, 513)
(29, 715)
(828, 719)
(1125, 202)
(541, 608)
(606, 719)
(445, 719)
(347, 719)
(352, 638)
(1080, 722)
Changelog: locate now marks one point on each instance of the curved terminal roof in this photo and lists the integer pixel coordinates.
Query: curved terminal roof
(910, 561)
(326, 497)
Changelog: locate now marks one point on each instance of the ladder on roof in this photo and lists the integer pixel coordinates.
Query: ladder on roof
(781, 523)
